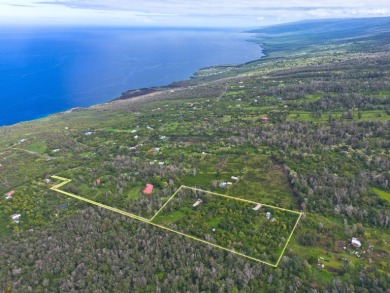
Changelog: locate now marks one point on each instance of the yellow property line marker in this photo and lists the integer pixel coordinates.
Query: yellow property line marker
(149, 221)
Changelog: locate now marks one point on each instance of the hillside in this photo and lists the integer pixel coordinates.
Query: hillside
(304, 129)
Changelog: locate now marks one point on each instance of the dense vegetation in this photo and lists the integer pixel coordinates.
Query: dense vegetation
(324, 150)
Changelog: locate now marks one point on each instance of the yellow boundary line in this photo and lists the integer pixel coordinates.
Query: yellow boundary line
(149, 221)
(241, 199)
(173, 195)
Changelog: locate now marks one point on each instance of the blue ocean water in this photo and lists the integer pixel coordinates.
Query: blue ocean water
(48, 70)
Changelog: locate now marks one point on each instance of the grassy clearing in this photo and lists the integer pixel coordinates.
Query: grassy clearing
(134, 192)
(324, 118)
(382, 194)
(110, 129)
(39, 147)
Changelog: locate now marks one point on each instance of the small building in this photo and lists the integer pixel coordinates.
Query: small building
(268, 215)
(15, 218)
(22, 140)
(222, 184)
(88, 133)
(98, 181)
(198, 202)
(355, 242)
(148, 189)
(235, 178)
(10, 193)
(47, 181)
(156, 150)
(257, 207)
(163, 137)
(161, 163)
(264, 118)
(1, 166)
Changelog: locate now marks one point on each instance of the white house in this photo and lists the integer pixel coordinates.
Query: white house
(198, 202)
(16, 217)
(355, 242)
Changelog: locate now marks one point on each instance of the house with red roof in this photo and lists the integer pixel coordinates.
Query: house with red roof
(264, 118)
(148, 189)
(9, 194)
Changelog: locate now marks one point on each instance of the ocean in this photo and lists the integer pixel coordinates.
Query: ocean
(48, 70)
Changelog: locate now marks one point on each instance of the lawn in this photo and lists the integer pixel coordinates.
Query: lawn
(382, 194)
(376, 115)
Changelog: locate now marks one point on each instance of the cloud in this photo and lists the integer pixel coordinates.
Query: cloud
(196, 12)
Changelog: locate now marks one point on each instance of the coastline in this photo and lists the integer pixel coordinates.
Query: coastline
(187, 79)
(194, 79)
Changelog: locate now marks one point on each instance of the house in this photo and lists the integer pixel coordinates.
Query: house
(235, 178)
(222, 184)
(47, 181)
(98, 181)
(148, 189)
(163, 137)
(88, 133)
(10, 193)
(257, 207)
(355, 242)
(161, 163)
(1, 166)
(156, 150)
(198, 202)
(268, 215)
(264, 118)
(133, 131)
(15, 218)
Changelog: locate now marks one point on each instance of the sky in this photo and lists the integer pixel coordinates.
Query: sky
(183, 13)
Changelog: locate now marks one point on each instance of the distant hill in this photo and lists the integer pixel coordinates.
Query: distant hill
(348, 27)
(357, 35)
